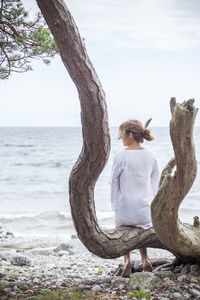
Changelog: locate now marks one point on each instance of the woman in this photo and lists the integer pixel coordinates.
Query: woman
(135, 179)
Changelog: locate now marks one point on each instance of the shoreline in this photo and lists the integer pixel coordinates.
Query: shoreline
(59, 270)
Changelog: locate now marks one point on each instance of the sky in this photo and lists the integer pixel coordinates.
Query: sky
(144, 52)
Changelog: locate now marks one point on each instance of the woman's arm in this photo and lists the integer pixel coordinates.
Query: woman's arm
(117, 169)
(155, 177)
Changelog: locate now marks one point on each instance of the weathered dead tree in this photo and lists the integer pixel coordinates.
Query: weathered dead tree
(96, 147)
(181, 238)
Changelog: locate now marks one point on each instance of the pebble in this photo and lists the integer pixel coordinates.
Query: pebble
(84, 287)
(34, 271)
(20, 261)
(12, 294)
(182, 278)
(96, 289)
(164, 274)
(36, 280)
(177, 296)
(63, 252)
(194, 269)
(195, 293)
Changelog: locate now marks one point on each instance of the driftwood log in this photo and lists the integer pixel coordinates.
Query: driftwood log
(170, 233)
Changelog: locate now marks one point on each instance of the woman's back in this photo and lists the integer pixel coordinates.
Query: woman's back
(135, 179)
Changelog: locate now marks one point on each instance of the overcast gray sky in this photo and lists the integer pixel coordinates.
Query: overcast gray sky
(144, 52)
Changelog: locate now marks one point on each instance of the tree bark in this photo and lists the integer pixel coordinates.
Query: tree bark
(181, 238)
(96, 144)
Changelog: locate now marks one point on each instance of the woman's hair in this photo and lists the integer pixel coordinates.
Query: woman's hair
(137, 129)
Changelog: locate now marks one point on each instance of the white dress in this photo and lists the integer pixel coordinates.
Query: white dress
(135, 179)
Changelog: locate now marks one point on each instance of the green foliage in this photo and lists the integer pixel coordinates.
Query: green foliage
(140, 294)
(100, 272)
(2, 284)
(22, 39)
(63, 294)
(11, 276)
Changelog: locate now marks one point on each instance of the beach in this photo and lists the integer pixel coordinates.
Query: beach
(70, 268)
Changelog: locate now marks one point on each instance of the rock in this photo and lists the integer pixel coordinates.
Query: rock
(164, 274)
(41, 251)
(194, 292)
(5, 255)
(113, 292)
(63, 284)
(9, 235)
(63, 246)
(177, 296)
(84, 287)
(172, 288)
(193, 279)
(7, 290)
(168, 280)
(145, 280)
(123, 297)
(21, 296)
(185, 287)
(115, 283)
(36, 280)
(12, 294)
(182, 278)
(186, 296)
(196, 286)
(24, 285)
(74, 236)
(194, 269)
(15, 288)
(63, 252)
(11, 284)
(96, 289)
(29, 293)
(164, 295)
(20, 261)
(185, 269)
(29, 284)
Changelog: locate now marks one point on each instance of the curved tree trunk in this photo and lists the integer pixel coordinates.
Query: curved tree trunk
(96, 144)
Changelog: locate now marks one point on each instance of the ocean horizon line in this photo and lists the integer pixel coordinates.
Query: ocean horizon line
(114, 126)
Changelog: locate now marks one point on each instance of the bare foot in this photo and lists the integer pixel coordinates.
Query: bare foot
(147, 267)
(127, 269)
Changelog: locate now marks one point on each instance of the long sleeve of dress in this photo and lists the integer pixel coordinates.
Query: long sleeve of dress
(117, 169)
(155, 176)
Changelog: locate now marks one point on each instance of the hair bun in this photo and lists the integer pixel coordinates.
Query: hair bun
(147, 135)
(138, 131)
(146, 131)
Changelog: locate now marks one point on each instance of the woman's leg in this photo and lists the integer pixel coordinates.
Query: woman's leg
(145, 260)
(127, 265)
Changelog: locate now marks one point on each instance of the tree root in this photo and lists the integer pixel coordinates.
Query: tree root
(158, 264)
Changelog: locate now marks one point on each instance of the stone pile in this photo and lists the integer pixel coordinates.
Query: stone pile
(23, 275)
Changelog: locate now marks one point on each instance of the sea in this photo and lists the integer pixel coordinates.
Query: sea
(35, 166)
